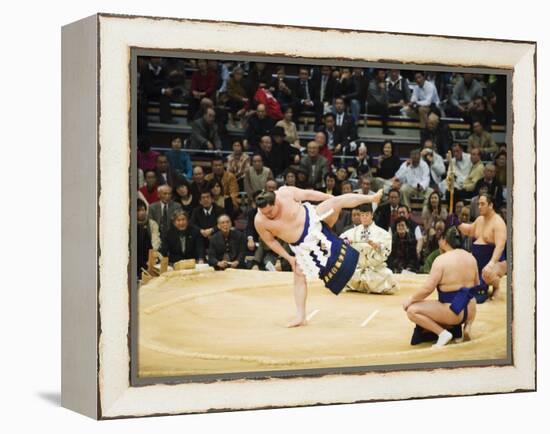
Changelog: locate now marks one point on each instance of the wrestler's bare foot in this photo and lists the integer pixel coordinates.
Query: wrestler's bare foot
(378, 196)
(467, 332)
(297, 322)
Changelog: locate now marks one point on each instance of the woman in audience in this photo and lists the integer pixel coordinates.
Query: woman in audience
(433, 211)
(219, 199)
(388, 165)
(184, 197)
(291, 132)
(330, 184)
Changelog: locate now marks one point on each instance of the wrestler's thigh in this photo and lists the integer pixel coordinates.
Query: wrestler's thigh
(439, 312)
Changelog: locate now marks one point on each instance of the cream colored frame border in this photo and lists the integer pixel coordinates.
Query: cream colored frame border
(116, 35)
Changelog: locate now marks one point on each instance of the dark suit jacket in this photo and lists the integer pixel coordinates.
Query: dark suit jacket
(237, 247)
(300, 93)
(403, 254)
(382, 216)
(155, 213)
(172, 246)
(338, 137)
(441, 138)
(202, 221)
(348, 127)
(257, 128)
(201, 133)
(329, 89)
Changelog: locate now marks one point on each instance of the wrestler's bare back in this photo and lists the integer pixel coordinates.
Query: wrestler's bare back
(455, 269)
(288, 223)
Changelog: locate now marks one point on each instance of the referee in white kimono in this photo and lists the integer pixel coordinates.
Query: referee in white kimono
(374, 245)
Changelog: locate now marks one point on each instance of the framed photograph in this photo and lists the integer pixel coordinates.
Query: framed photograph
(260, 216)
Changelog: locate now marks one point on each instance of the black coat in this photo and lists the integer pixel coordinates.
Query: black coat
(202, 221)
(237, 247)
(257, 128)
(172, 246)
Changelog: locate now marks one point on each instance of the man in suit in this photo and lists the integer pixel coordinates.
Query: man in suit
(336, 141)
(206, 215)
(343, 120)
(182, 241)
(387, 213)
(162, 211)
(315, 165)
(227, 247)
(163, 172)
(204, 132)
(281, 88)
(154, 84)
(306, 96)
(324, 87)
(259, 125)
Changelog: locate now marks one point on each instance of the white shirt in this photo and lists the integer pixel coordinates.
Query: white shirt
(425, 95)
(414, 175)
(462, 169)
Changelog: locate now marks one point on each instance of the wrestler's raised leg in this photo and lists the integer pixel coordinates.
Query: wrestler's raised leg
(300, 295)
(430, 314)
(472, 309)
(348, 200)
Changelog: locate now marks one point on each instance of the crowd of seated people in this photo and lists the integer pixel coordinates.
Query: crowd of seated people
(205, 210)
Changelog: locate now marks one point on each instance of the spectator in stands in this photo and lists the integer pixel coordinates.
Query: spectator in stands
(403, 253)
(272, 107)
(344, 122)
(237, 96)
(433, 211)
(346, 187)
(377, 99)
(203, 84)
(361, 85)
(334, 137)
(182, 240)
(330, 185)
(290, 130)
(346, 89)
(398, 92)
(198, 184)
(150, 189)
(302, 178)
(227, 247)
(287, 153)
(405, 212)
(462, 166)
(500, 166)
(184, 197)
(480, 113)
(290, 178)
(259, 125)
(438, 132)
(154, 84)
(361, 164)
(267, 259)
(306, 96)
(324, 88)
(204, 132)
(314, 165)
(476, 173)
(386, 214)
(465, 91)
(146, 158)
(274, 157)
(483, 140)
(222, 76)
(388, 165)
(258, 74)
(227, 180)
(431, 245)
(256, 176)
(205, 216)
(436, 164)
(453, 218)
(465, 218)
(162, 210)
(148, 235)
(280, 87)
(238, 163)
(424, 98)
(218, 198)
(414, 175)
(164, 171)
(320, 139)
(494, 187)
(179, 160)
(271, 185)
(366, 188)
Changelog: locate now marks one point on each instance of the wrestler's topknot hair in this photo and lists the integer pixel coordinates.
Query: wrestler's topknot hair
(265, 198)
(452, 236)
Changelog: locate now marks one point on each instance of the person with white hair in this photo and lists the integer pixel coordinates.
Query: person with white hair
(162, 210)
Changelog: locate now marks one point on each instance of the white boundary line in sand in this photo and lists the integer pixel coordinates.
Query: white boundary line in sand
(312, 314)
(371, 316)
